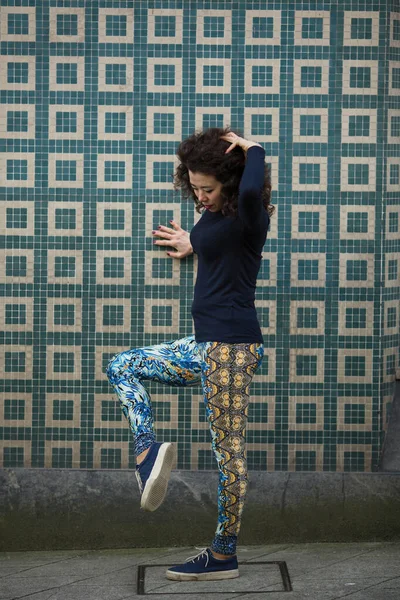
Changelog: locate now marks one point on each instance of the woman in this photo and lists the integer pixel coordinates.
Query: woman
(225, 175)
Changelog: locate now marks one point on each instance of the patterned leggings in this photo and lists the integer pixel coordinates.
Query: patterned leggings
(225, 372)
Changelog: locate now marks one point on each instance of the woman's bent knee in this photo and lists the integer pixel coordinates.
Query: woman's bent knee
(119, 364)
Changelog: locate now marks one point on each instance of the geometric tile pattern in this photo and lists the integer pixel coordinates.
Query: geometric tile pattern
(95, 96)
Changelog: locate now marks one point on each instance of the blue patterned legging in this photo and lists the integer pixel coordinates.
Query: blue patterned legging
(225, 372)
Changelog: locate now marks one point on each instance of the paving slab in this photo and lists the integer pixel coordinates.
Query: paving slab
(357, 571)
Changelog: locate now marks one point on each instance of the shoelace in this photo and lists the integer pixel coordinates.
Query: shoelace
(198, 556)
(139, 480)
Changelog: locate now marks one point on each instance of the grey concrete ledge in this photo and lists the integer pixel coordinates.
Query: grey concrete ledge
(48, 509)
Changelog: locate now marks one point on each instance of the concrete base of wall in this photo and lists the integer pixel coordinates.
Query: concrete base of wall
(48, 509)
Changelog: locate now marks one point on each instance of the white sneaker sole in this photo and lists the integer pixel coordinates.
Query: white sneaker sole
(217, 575)
(156, 485)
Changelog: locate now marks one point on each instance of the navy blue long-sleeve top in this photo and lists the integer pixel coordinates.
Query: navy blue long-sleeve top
(229, 258)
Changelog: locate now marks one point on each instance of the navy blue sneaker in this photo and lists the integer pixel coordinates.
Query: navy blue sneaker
(204, 567)
(153, 473)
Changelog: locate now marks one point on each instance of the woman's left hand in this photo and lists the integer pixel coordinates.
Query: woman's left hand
(236, 140)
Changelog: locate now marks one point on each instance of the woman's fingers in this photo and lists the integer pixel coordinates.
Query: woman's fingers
(164, 234)
(231, 147)
(175, 254)
(165, 242)
(175, 226)
(166, 229)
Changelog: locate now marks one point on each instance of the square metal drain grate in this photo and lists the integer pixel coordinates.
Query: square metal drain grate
(255, 578)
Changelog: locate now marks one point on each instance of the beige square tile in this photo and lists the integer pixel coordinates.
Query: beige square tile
(342, 448)
(12, 303)
(51, 445)
(51, 399)
(26, 447)
(294, 401)
(26, 399)
(317, 448)
(6, 109)
(125, 326)
(16, 252)
(5, 11)
(5, 206)
(51, 355)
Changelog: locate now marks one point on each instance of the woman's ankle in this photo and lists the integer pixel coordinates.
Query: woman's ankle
(221, 556)
(140, 457)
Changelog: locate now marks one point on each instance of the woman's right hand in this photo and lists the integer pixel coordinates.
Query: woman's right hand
(176, 238)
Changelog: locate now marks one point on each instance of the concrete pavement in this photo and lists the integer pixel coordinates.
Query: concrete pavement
(324, 571)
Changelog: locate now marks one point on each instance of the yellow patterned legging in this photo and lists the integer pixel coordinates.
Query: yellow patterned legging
(225, 372)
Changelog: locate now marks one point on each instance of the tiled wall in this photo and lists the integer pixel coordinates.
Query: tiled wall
(95, 96)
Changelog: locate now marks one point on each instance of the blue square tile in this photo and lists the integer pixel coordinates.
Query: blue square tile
(311, 77)
(64, 362)
(115, 122)
(396, 78)
(356, 318)
(261, 76)
(116, 25)
(64, 314)
(65, 266)
(113, 315)
(396, 30)
(61, 458)
(356, 270)
(214, 27)
(164, 123)
(16, 266)
(165, 26)
(161, 316)
(306, 460)
(309, 173)
(15, 362)
(312, 28)
(65, 170)
(309, 221)
(261, 124)
(394, 178)
(358, 174)
(113, 266)
(65, 218)
(67, 24)
(357, 222)
(67, 73)
(17, 120)
(16, 217)
(395, 126)
(359, 125)
(213, 120)
(307, 317)
(162, 171)
(361, 29)
(164, 74)
(13, 457)
(18, 24)
(66, 122)
(307, 270)
(263, 27)
(394, 222)
(306, 366)
(114, 219)
(360, 77)
(114, 170)
(17, 170)
(116, 74)
(310, 125)
(17, 72)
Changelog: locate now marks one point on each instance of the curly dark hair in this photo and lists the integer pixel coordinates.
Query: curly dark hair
(204, 152)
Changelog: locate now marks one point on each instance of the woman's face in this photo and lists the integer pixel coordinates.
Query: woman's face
(207, 190)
